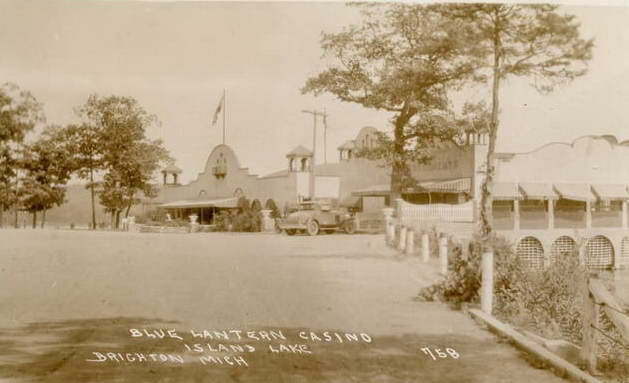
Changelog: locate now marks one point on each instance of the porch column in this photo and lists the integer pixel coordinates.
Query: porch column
(588, 214)
(551, 214)
(624, 214)
(516, 215)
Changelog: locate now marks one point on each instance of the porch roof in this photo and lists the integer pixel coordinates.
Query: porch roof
(458, 185)
(610, 191)
(576, 192)
(374, 190)
(505, 191)
(537, 190)
(195, 203)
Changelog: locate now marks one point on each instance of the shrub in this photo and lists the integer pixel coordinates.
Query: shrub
(275, 211)
(462, 284)
(246, 220)
(223, 220)
(548, 302)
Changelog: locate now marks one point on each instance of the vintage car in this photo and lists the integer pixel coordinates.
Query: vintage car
(313, 217)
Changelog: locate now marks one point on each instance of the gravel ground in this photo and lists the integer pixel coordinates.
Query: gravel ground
(67, 297)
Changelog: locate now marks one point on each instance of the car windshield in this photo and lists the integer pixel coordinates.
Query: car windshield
(308, 206)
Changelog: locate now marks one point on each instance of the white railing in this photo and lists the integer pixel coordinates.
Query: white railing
(418, 215)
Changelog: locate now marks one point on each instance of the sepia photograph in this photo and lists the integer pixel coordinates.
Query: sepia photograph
(314, 191)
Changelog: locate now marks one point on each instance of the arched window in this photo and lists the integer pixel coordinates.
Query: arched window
(304, 164)
(531, 253)
(563, 246)
(599, 253)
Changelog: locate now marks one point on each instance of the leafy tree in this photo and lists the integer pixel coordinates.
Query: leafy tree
(533, 41)
(19, 113)
(48, 165)
(129, 158)
(88, 157)
(402, 58)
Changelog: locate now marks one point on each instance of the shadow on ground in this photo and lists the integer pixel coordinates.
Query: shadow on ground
(57, 352)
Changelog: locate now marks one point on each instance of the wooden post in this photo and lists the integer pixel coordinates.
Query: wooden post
(401, 245)
(487, 284)
(425, 247)
(443, 254)
(516, 215)
(389, 226)
(392, 233)
(590, 319)
(588, 214)
(624, 214)
(551, 214)
(410, 242)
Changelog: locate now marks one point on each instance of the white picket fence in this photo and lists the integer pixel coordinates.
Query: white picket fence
(425, 215)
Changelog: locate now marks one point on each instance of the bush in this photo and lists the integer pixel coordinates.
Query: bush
(275, 211)
(246, 220)
(548, 302)
(462, 284)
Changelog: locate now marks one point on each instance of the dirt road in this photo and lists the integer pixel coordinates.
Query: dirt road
(71, 298)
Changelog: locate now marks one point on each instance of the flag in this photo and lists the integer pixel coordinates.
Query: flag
(218, 110)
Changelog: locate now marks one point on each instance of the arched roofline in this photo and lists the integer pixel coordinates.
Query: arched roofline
(216, 148)
(610, 139)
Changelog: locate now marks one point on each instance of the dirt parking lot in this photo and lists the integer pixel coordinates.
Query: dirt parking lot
(70, 298)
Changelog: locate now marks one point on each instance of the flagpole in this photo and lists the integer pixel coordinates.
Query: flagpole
(224, 106)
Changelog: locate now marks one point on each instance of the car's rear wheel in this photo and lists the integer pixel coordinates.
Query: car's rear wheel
(349, 227)
(312, 227)
(290, 231)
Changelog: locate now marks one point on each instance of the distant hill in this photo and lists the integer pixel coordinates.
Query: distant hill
(77, 209)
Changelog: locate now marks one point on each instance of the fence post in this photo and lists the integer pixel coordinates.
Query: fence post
(590, 320)
(389, 228)
(487, 284)
(401, 245)
(410, 242)
(443, 254)
(425, 247)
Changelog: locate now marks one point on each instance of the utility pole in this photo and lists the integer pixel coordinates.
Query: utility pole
(314, 148)
(325, 136)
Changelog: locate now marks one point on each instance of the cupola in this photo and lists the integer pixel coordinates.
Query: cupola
(299, 159)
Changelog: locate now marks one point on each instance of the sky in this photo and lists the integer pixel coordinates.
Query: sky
(176, 58)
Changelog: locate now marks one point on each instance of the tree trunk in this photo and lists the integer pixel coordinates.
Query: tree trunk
(486, 189)
(43, 219)
(92, 196)
(34, 220)
(17, 224)
(126, 214)
(117, 219)
(1, 218)
(398, 163)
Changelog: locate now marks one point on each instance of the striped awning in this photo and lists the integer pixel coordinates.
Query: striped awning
(534, 190)
(610, 191)
(459, 185)
(374, 190)
(350, 201)
(576, 192)
(188, 204)
(505, 191)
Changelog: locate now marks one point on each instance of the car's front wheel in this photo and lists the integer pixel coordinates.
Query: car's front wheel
(312, 227)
